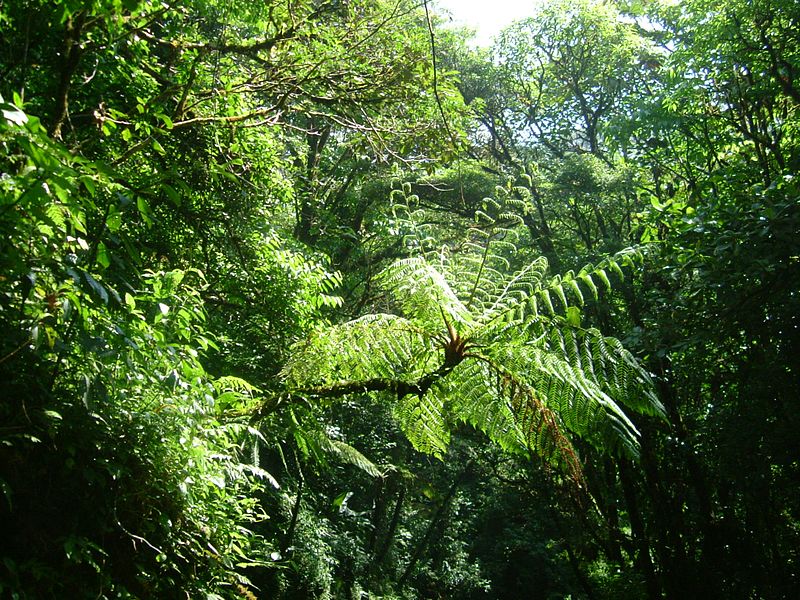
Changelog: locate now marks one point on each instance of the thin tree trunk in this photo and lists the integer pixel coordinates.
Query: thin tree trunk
(423, 544)
(643, 561)
(573, 559)
(72, 56)
(614, 545)
(287, 542)
(387, 544)
(378, 513)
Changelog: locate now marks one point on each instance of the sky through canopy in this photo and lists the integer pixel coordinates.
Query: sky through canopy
(487, 17)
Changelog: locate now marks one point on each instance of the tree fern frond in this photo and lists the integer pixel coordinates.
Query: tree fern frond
(235, 394)
(569, 289)
(606, 362)
(582, 405)
(495, 400)
(234, 384)
(515, 290)
(422, 291)
(476, 402)
(422, 419)
(346, 453)
(371, 347)
(407, 219)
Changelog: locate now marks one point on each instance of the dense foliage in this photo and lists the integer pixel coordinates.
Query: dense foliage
(315, 299)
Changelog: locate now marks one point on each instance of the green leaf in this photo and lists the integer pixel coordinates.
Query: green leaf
(144, 210)
(172, 194)
(51, 414)
(574, 316)
(589, 282)
(545, 295)
(96, 287)
(337, 502)
(102, 255)
(576, 290)
(558, 288)
(114, 220)
(12, 114)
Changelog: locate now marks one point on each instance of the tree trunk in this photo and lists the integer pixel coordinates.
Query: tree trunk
(387, 544)
(425, 541)
(72, 56)
(643, 560)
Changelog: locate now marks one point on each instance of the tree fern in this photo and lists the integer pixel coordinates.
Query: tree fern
(474, 344)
